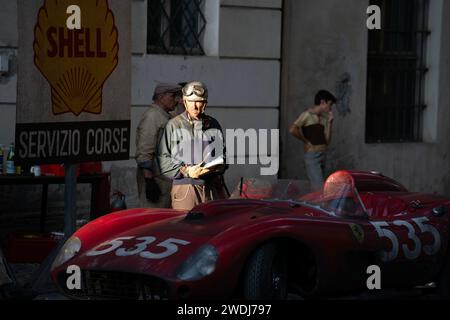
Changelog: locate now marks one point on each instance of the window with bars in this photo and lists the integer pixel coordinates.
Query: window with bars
(175, 27)
(396, 72)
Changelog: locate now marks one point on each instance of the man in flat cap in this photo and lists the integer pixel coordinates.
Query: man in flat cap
(153, 187)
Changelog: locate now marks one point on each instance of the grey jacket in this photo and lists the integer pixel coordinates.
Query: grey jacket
(189, 142)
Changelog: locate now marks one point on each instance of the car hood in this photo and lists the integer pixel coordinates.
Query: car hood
(187, 232)
(172, 239)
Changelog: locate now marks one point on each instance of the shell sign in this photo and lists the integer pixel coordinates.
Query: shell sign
(77, 62)
(73, 81)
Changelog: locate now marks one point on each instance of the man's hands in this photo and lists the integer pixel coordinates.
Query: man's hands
(152, 190)
(308, 145)
(330, 117)
(195, 171)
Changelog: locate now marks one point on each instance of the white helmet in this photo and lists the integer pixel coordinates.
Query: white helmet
(195, 91)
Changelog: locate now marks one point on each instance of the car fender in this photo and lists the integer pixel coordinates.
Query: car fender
(105, 227)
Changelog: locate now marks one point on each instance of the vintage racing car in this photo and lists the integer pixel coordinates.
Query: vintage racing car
(265, 244)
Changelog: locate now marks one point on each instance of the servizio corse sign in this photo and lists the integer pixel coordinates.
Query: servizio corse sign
(74, 82)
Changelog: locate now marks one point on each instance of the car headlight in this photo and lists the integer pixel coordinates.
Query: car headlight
(68, 251)
(200, 264)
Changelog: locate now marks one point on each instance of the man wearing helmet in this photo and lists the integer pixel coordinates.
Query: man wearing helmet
(192, 152)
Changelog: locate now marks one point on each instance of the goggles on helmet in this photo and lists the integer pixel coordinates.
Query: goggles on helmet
(195, 91)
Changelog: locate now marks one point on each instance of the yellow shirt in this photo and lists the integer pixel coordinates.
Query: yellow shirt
(313, 128)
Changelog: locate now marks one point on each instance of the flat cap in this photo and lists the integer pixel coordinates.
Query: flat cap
(163, 87)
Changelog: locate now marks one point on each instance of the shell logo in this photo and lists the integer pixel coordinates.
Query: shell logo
(76, 63)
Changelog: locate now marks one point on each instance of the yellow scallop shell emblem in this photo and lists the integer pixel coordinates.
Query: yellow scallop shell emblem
(76, 63)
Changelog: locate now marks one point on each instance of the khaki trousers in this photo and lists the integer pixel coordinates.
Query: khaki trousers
(187, 196)
(164, 184)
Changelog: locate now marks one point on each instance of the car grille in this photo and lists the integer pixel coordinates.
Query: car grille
(116, 285)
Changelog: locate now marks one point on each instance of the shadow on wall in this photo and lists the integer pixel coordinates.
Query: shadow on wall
(343, 94)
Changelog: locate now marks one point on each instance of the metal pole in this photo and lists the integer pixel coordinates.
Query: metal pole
(42, 275)
(70, 200)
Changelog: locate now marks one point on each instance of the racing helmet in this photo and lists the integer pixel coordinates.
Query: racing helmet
(338, 185)
(195, 91)
(341, 196)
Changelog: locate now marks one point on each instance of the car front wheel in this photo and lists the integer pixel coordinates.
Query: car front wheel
(266, 274)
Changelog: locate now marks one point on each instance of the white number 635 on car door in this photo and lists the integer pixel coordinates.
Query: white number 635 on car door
(413, 251)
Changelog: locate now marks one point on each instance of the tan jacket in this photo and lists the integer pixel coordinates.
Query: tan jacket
(148, 133)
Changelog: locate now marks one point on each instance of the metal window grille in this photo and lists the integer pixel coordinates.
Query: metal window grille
(396, 72)
(175, 27)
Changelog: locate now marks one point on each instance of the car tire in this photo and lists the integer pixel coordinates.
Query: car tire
(266, 274)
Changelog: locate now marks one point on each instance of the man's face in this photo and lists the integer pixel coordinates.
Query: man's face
(194, 108)
(326, 105)
(169, 101)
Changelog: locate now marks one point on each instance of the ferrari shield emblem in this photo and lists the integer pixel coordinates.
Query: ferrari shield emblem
(358, 232)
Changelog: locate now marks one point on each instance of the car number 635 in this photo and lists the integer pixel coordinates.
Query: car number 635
(409, 253)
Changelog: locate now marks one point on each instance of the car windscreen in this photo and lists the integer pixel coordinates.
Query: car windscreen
(338, 197)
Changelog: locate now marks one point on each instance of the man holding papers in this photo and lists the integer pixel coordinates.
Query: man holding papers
(192, 151)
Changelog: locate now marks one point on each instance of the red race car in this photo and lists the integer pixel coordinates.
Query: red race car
(265, 244)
